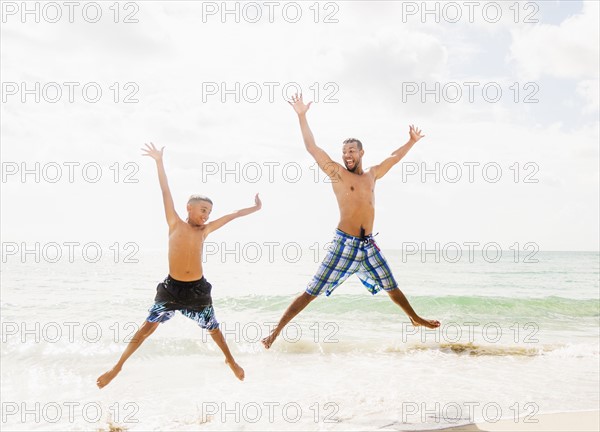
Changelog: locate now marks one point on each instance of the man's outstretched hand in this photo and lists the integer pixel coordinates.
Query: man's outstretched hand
(415, 133)
(153, 152)
(298, 104)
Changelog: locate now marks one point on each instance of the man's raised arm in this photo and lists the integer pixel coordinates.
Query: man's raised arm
(388, 163)
(327, 165)
(157, 155)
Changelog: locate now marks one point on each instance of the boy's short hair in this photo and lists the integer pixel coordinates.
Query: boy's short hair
(353, 140)
(195, 198)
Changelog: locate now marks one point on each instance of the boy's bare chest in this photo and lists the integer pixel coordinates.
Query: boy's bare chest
(185, 237)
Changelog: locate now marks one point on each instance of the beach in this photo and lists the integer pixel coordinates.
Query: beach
(517, 341)
(459, 138)
(569, 421)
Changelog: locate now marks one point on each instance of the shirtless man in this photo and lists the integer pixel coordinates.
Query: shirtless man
(185, 289)
(353, 248)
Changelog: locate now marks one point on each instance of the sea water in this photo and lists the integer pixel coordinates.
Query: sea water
(519, 337)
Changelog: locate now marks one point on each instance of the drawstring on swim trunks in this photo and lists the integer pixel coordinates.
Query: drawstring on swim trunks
(367, 240)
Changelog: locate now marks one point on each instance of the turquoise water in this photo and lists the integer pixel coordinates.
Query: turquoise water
(519, 337)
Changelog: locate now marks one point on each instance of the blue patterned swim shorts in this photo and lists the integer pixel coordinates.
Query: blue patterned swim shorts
(192, 299)
(348, 255)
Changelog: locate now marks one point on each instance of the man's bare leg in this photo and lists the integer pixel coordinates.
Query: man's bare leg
(398, 297)
(220, 341)
(140, 336)
(293, 309)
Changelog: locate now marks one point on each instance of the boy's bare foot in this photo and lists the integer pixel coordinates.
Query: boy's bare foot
(237, 369)
(268, 341)
(425, 322)
(107, 377)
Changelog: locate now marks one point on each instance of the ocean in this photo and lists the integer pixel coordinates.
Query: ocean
(519, 338)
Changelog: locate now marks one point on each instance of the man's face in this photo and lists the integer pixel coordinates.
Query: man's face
(352, 156)
(199, 211)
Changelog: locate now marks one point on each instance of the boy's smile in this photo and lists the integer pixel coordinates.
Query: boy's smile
(199, 212)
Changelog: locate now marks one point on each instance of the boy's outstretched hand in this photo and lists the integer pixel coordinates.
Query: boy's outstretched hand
(153, 152)
(257, 202)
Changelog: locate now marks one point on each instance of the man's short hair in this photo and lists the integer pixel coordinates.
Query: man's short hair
(196, 198)
(353, 140)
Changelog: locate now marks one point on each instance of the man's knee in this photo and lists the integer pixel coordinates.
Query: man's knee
(393, 292)
(307, 298)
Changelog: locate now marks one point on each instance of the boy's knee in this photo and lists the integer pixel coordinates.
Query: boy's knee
(148, 328)
(216, 335)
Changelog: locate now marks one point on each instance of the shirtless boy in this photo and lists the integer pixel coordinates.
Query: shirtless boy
(185, 289)
(353, 249)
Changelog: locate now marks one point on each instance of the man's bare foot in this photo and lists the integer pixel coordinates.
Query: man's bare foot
(237, 369)
(268, 341)
(425, 322)
(107, 377)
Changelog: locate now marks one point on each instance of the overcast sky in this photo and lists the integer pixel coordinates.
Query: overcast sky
(364, 63)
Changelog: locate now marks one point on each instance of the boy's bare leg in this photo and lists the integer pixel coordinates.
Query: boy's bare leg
(140, 336)
(398, 297)
(220, 341)
(293, 309)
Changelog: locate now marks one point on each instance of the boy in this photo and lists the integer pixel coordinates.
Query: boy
(185, 288)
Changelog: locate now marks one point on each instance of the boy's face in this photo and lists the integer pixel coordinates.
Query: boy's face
(352, 156)
(198, 212)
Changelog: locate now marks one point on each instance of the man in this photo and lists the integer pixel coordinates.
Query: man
(353, 248)
(185, 289)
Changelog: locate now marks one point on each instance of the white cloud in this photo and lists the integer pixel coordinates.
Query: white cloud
(568, 50)
(589, 90)
(371, 58)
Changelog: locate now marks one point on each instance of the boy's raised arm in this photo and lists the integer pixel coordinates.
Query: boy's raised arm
(218, 223)
(396, 156)
(157, 155)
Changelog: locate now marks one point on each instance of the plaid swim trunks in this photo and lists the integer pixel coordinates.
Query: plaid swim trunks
(348, 255)
(192, 299)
